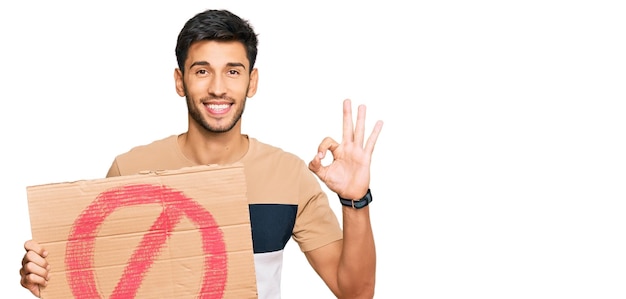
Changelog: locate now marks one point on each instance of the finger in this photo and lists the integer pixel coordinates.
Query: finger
(371, 141)
(327, 144)
(32, 260)
(32, 283)
(34, 273)
(32, 287)
(316, 163)
(34, 253)
(359, 132)
(348, 130)
(317, 168)
(31, 245)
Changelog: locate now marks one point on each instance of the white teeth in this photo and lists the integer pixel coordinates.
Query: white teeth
(218, 107)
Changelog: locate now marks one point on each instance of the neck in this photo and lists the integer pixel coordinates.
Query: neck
(213, 148)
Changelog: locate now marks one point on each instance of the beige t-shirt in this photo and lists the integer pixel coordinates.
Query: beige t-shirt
(273, 177)
(284, 196)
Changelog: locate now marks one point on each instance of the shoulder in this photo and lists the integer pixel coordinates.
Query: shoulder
(160, 154)
(261, 151)
(153, 146)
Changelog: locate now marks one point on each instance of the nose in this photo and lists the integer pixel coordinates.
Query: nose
(217, 86)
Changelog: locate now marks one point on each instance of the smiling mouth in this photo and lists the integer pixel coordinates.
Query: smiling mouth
(217, 107)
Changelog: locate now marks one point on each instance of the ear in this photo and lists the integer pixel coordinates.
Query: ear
(254, 81)
(178, 80)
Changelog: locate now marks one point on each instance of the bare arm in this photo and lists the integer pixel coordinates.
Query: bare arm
(348, 267)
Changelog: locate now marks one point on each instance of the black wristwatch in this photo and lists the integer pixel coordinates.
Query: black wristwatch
(357, 204)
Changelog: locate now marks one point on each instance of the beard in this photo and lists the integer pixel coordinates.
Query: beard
(196, 114)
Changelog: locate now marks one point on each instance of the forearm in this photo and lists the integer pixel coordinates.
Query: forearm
(357, 267)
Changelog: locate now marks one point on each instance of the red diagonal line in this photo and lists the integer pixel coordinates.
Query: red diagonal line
(144, 255)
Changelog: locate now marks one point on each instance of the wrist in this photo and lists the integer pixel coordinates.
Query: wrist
(358, 203)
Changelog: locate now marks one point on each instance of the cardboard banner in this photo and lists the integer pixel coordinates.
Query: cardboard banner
(171, 234)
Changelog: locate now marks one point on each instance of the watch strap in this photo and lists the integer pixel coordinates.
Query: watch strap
(357, 204)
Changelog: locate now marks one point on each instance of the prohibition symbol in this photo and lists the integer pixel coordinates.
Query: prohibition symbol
(81, 241)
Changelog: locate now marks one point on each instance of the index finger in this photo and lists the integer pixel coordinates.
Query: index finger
(32, 245)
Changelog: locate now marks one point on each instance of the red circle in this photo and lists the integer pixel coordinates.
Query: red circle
(81, 241)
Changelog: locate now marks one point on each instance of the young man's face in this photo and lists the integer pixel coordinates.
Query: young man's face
(216, 82)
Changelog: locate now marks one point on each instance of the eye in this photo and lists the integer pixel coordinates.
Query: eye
(233, 72)
(201, 72)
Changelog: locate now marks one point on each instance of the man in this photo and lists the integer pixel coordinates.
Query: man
(216, 52)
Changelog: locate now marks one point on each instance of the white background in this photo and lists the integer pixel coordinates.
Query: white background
(500, 171)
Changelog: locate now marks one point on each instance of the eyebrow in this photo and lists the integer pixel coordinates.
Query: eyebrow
(230, 64)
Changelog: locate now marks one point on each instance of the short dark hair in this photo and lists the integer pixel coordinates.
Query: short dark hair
(219, 25)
